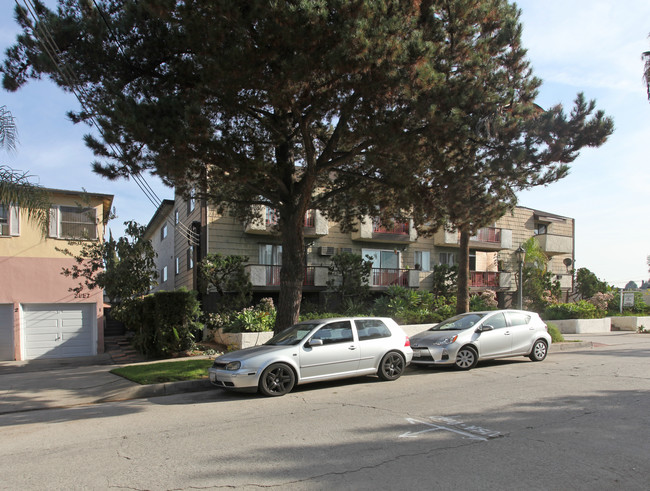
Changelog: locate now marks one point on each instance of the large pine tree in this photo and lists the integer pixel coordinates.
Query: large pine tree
(337, 105)
(487, 140)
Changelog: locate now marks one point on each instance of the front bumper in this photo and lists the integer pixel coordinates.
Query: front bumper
(434, 355)
(233, 379)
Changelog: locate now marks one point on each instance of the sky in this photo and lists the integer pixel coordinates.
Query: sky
(589, 46)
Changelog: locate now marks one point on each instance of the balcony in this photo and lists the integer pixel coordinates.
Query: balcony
(486, 239)
(315, 224)
(269, 276)
(555, 244)
(384, 277)
(396, 233)
(484, 279)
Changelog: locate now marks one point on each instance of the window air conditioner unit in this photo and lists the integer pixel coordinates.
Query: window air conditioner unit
(326, 251)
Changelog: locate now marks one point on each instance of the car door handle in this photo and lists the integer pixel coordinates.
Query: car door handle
(507, 333)
(352, 347)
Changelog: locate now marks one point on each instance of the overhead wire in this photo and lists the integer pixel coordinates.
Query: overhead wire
(50, 47)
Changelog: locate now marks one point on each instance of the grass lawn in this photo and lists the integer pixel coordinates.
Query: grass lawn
(166, 371)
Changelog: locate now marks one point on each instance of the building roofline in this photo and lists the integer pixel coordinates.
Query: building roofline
(160, 215)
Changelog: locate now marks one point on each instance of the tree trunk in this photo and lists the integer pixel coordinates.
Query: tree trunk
(292, 271)
(462, 297)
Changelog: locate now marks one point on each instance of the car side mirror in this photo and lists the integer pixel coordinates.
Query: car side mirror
(485, 328)
(315, 342)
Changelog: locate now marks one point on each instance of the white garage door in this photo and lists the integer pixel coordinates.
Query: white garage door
(6, 332)
(58, 330)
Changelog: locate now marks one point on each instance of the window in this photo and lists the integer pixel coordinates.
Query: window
(541, 228)
(335, 332)
(191, 203)
(163, 231)
(177, 267)
(423, 259)
(163, 274)
(190, 257)
(497, 321)
(9, 221)
(371, 329)
(176, 218)
(270, 254)
(518, 319)
(447, 258)
(73, 222)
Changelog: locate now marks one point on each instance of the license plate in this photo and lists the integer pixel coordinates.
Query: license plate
(417, 354)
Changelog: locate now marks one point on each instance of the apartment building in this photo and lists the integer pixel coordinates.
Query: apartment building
(400, 256)
(39, 316)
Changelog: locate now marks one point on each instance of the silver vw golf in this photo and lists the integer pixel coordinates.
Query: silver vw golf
(465, 339)
(317, 350)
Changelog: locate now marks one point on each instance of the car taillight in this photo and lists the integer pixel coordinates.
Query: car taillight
(407, 343)
(546, 327)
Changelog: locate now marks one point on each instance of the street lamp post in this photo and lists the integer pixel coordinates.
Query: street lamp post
(521, 255)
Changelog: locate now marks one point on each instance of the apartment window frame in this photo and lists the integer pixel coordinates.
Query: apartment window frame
(163, 274)
(177, 265)
(190, 258)
(9, 220)
(164, 231)
(447, 259)
(61, 220)
(423, 258)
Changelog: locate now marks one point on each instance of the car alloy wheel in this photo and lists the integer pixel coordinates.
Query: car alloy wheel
(539, 351)
(277, 380)
(466, 358)
(391, 367)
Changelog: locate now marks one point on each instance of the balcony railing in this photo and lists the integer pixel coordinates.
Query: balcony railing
(396, 229)
(389, 277)
(484, 279)
(488, 234)
(273, 276)
(272, 218)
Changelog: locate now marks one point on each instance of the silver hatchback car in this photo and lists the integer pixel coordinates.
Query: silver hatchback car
(316, 350)
(465, 339)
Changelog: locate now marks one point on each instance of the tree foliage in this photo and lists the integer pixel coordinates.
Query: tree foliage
(123, 268)
(350, 276)
(226, 274)
(588, 284)
(339, 106)
(486, 137)
(15, 187)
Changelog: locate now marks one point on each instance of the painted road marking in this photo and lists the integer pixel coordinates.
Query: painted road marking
(452, 425)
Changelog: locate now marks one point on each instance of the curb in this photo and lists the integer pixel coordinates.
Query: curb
(157, 390)
(187, 386)
(556, 347)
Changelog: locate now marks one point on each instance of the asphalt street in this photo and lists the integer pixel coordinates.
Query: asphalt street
(577, 420)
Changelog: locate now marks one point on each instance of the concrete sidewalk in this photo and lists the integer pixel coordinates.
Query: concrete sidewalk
(47, 384)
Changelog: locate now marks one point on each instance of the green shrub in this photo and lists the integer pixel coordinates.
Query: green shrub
(408, 306)
(163, 323)
(577, 310)
(555, 333)
(486, 300)
(639, 307)
(259, 318)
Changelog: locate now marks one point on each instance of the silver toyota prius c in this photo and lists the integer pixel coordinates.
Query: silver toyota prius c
(465, 339)
(316, 350)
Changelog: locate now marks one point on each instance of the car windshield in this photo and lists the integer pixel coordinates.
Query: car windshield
(459, 322)
(292, 335)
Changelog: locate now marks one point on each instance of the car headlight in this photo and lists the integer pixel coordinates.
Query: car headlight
(233, 365)
(446, 341)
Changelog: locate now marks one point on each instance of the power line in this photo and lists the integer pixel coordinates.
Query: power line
(50, 47)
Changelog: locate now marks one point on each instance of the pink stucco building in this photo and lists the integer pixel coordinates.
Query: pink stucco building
(40, 317)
